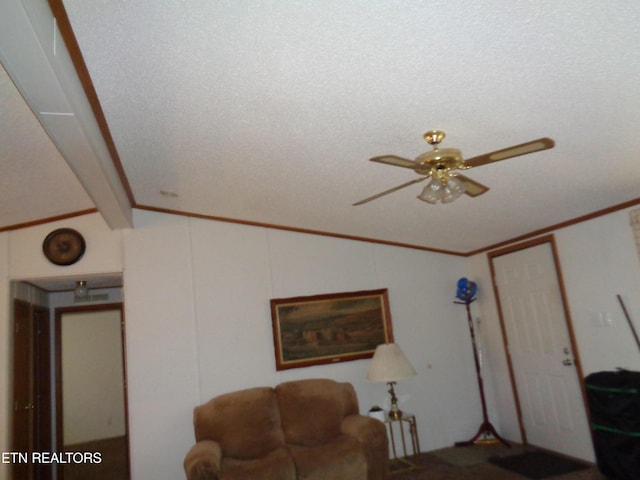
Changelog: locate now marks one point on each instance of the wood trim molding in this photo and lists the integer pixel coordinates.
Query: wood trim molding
(295, 229)
(66, 31)
(491, 248)
(96, 307)
(505, 345)
(33, 223)
(557, 226)
(521, 238)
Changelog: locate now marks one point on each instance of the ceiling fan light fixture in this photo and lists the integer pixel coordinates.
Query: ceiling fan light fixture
(453, 189)
(443, 188)
(432, 192)
(440, 163)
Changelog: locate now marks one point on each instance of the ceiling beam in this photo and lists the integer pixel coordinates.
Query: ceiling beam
(34, 55)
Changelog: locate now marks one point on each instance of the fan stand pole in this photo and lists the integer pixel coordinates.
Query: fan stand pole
(486, 427)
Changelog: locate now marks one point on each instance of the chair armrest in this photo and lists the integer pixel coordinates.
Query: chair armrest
(372, 434)
(366, 429)
(202, 461)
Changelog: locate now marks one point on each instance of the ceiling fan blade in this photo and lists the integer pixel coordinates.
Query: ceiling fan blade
(473, 188)
(395, 161)
(391, 190)
(509, 152)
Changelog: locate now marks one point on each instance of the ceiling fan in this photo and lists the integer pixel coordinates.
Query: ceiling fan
(441, 164)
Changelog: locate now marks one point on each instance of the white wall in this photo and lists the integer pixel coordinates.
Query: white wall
(162, 366)
(21, 257)
(103, 253)
(93, 378)
(598, 260)
(198, 323)
(501, 407)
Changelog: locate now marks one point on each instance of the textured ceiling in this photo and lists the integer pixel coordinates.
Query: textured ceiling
(35, 181)
(268, 111)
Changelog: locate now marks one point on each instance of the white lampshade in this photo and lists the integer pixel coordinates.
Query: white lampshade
(389, 364)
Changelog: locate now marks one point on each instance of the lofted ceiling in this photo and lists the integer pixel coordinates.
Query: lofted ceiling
(267, 112)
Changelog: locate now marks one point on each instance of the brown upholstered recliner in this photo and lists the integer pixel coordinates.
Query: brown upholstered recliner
(306, 429)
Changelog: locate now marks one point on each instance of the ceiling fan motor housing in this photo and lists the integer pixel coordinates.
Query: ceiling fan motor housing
(439, 160)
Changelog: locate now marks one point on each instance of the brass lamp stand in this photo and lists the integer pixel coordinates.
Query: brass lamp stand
(394, 413)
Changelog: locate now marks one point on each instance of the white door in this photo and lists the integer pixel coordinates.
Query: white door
(547, 383)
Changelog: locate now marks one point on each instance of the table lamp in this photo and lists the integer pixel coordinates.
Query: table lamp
(390, 365)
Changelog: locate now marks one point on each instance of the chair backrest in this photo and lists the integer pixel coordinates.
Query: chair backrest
(312, 410)
(245, 423)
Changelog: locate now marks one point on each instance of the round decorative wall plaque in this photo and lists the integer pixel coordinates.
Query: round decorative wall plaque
(64, 246)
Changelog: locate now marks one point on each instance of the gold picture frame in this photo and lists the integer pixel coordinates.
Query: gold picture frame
(329, 328)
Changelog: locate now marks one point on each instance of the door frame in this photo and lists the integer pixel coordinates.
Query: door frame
(58, 313)
(37, 373)
(547, 239)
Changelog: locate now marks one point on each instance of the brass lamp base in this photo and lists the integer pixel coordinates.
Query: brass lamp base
(395, 413)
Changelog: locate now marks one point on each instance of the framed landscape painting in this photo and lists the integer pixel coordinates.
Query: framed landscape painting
(329, 328)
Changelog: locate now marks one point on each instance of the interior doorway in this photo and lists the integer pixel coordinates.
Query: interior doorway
(35, 388)
(32, 394)
(91, 391)
(540, 346)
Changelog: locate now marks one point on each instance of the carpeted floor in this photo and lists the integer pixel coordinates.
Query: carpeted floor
(470, 463)
(114, 464)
